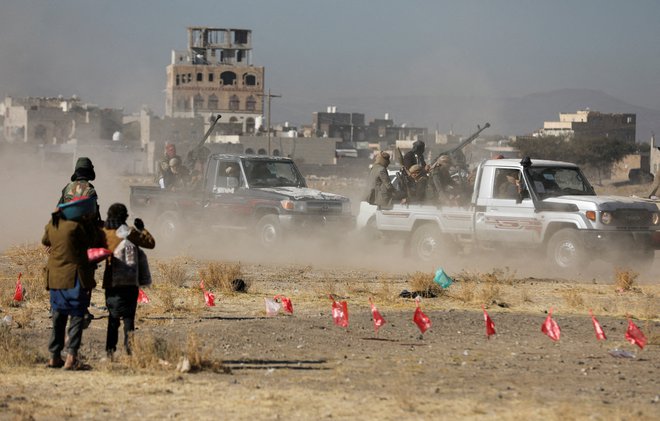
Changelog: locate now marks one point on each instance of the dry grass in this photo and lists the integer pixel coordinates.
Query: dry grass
(624, 279)
(464, 291)
(423, 283)
(30, 260)
(155, 353)
(647, 307)
(490, 292)
(200, 358)
(573, 298)
(221, 276)
(23, 317)
(385, 292)
(481, 288)
(357, 288)
(325, 288)
(170, 299)
(525, 296)
(173, 273)
(151, 352)
(15, 350)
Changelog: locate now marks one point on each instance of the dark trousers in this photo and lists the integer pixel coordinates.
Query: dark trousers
(56, 344)
(122, 304)
(113, 333)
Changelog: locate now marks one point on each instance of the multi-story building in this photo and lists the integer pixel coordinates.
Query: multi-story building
(591, 123)
(215, 75)
(349, 127)
(355, 133)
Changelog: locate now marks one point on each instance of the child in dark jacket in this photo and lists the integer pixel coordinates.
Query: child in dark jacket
(120, 295)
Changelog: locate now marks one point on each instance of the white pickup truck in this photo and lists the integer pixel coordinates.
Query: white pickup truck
(555, 210)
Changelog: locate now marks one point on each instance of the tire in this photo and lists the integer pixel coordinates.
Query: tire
(169, 229)
(566, 251)
(269, 232)
(428, 243)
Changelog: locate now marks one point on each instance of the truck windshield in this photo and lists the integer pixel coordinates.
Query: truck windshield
(556, 181)
(263, 173)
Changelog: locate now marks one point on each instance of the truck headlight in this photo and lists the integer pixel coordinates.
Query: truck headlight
(655, 218)
(606, 218)
(294, 205)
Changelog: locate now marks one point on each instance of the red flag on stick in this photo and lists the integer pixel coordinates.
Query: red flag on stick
(375, 314)
(634, 335)
(286, 303)
(209, 298)
(490, 326)
(550, 327)
(18, 293)
(339, 312)
(142, 297)
(421, 320)
(600, 334)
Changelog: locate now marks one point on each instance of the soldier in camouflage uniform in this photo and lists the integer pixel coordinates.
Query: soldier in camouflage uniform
(80, 185)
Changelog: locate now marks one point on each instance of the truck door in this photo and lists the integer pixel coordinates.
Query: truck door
(501, 216)
(225, 184)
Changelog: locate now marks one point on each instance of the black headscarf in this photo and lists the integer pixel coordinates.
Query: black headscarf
(84, 170)
(117, 216)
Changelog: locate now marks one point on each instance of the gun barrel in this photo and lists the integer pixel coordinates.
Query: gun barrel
(209, 131)
(468, 140)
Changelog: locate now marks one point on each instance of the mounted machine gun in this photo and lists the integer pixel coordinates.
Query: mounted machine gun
(455, 152)
(199, 153)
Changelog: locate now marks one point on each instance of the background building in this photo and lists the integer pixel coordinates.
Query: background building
(591, 123)
(214, 76)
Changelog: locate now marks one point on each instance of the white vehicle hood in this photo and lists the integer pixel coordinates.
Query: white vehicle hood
(304, 193)
(605, 203)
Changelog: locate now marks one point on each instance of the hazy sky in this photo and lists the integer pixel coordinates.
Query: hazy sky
(113, 53)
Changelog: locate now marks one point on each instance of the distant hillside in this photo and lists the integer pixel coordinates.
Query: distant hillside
(508, 116)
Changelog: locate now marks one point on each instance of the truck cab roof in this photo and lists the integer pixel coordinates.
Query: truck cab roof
(250, 157)
(515, 163)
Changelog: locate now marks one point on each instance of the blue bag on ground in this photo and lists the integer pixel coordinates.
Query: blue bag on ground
(442, 279)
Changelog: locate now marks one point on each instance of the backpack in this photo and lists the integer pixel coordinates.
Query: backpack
(144, 273)
(124, 263)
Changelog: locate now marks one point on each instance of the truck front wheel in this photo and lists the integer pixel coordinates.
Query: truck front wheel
(566, 250)
(269, 231)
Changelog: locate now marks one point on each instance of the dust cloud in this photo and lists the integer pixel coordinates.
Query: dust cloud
(31, 187)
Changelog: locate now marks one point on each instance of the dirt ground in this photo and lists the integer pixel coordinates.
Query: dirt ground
(302, 366)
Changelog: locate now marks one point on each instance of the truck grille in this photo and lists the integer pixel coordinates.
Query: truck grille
(628, 218)
(324, 207)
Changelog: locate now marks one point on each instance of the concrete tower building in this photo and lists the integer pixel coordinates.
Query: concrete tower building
(216, 76)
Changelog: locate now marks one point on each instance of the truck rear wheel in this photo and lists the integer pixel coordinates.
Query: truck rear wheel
(168, 228)
(428, 243)
(566, 250)
(269, 231)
